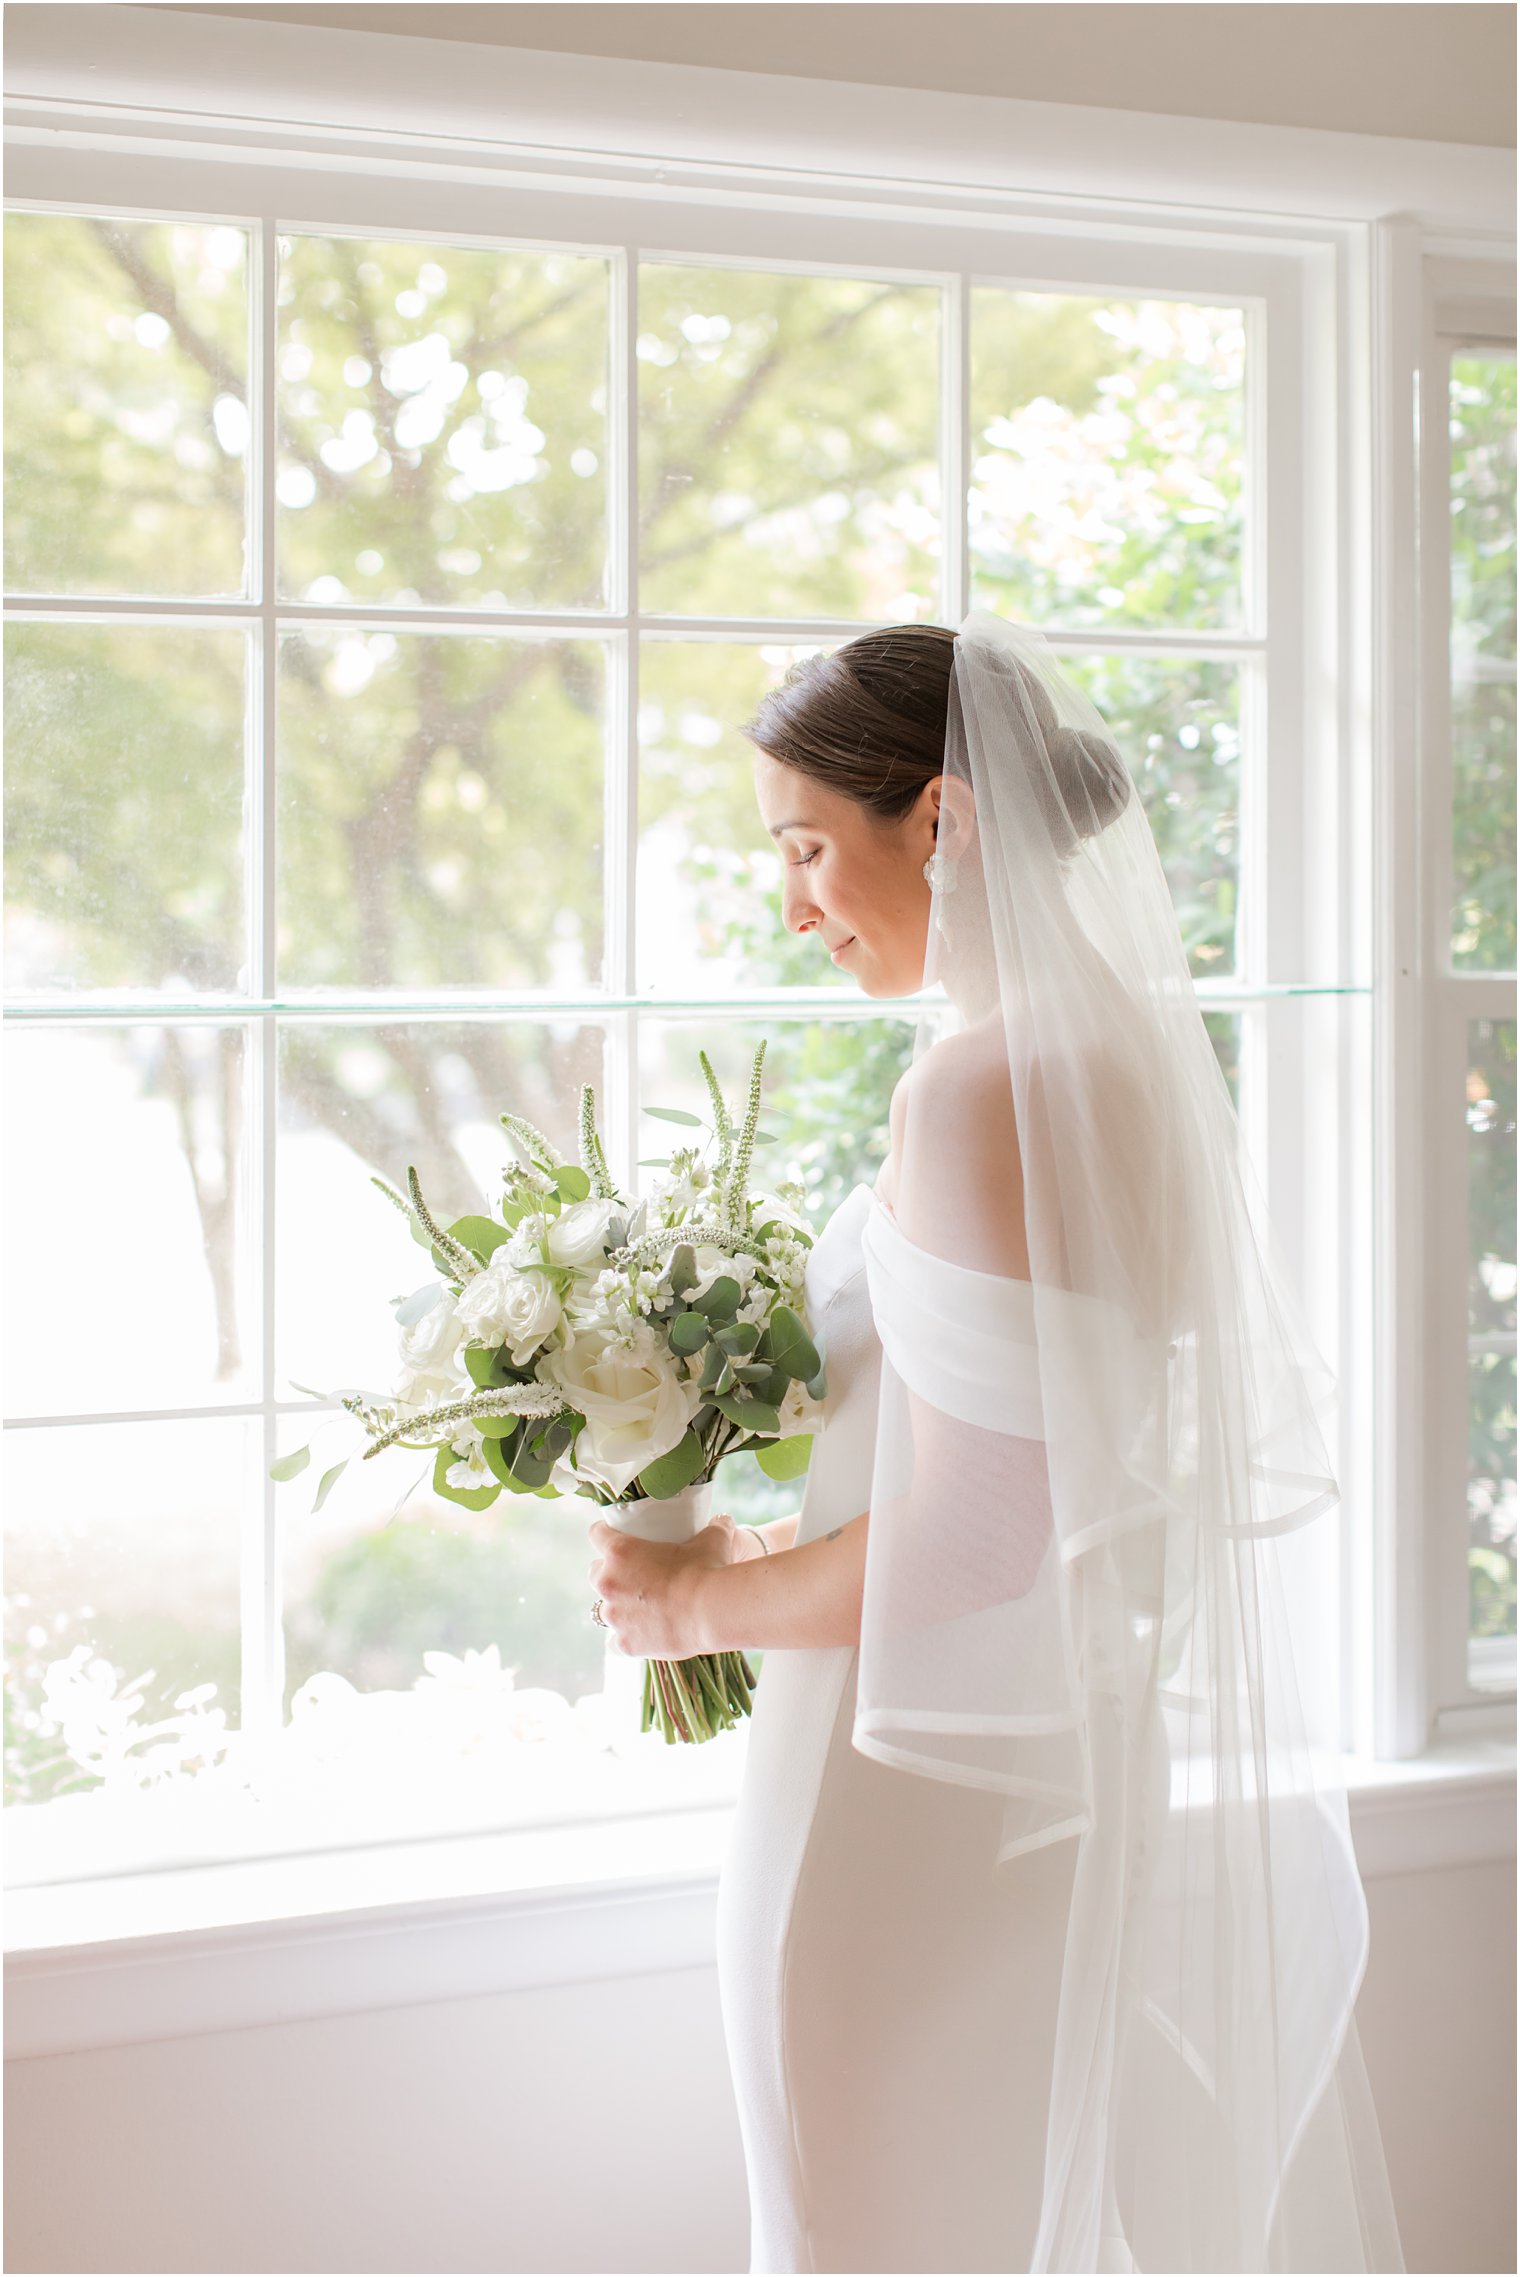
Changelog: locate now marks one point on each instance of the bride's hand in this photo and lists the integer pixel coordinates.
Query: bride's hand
(651, 1592)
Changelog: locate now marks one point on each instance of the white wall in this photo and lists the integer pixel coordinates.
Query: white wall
(1445, 73)
(592, 2126)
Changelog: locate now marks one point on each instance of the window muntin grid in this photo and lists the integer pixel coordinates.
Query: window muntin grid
(624, 638)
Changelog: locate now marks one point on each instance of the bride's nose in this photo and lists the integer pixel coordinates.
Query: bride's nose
(799, 912)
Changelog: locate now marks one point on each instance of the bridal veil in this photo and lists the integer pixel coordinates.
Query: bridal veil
(1080, 1607)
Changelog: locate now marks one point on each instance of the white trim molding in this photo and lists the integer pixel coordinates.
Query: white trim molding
(222, 86)
(340, 1932)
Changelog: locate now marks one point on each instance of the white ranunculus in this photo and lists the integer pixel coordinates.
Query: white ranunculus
(636, 1404)
(430, 1367)
(503, 1305)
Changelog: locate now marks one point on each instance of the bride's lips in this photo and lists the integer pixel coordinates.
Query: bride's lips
(836, 954)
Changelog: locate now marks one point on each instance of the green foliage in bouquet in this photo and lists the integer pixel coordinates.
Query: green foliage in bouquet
(730, 1376)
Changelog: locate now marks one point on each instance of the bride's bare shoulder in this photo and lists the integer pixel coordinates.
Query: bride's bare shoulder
(954, 1168)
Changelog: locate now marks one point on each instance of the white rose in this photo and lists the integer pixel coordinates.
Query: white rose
(504, 1306)
(430, 1369)
(636, 1406)
(579, 1233)
(578, 1236)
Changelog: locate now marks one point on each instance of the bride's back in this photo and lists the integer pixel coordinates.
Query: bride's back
(961, 1154)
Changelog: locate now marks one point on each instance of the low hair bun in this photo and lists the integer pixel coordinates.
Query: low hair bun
(1092, 782)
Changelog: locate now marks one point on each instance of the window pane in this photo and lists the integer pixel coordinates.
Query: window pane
(1107, 459)
(444, 1673)
(1482, 418)
(124, 808)
(709, 878)
(128, 1219)
(126, 405)
(122, 1554)
(382, 1578)
(440, 811)
(1178, 725)
(826, 1084)
(788, 444)
(1491, 1342)
(356, 1099)
(1482, 406)
(443, 425)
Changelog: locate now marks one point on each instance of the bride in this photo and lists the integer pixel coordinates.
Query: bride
(1038, 1941)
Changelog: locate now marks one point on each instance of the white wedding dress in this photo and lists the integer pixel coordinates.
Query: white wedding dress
(889, 2001)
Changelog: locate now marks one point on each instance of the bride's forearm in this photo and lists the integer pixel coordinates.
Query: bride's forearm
(777, 1533)
(809, 1595)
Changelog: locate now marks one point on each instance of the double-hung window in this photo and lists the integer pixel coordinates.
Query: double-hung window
(392, 556)
(1467, 488)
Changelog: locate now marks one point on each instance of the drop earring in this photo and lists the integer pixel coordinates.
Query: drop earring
(939, 870)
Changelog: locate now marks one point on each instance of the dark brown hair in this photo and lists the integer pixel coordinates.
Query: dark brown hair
(868, 720)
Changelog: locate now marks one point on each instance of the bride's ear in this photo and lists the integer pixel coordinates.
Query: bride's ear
(952, 813)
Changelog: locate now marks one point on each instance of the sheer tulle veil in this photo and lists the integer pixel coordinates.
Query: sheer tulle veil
(1082, 1611)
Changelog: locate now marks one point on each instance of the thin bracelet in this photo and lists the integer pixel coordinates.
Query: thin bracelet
(760, 1538)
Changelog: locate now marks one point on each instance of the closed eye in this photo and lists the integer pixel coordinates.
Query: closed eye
(806, 858)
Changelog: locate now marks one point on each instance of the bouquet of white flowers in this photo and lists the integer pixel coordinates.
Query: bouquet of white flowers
(584, 1343)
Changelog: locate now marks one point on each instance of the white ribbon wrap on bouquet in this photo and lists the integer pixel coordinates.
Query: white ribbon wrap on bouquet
(669, 1518)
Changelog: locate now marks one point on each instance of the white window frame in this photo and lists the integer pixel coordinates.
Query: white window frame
(1466, 304)
(1340, 280)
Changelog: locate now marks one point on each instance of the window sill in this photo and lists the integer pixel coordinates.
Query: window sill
(162, 1955)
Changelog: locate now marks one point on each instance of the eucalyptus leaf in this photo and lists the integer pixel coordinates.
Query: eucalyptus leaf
(470, 1498)
(327, 1482)
(740, 1336)
(479, 1235)
(676, 1115)
(689, 1331)
(572, 1182)
(749, 1414)
(498, 1459)
(721, 1301)
(791, 1346)
(496, 1426)
(290, 1466)
(421, 1302)
(786, 1458)
(669, 1473)
(488, 1369)
(715, 1365)
(530, 1466)
(682, 1269)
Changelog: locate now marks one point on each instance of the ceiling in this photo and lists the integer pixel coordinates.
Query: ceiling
(1444, 73)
